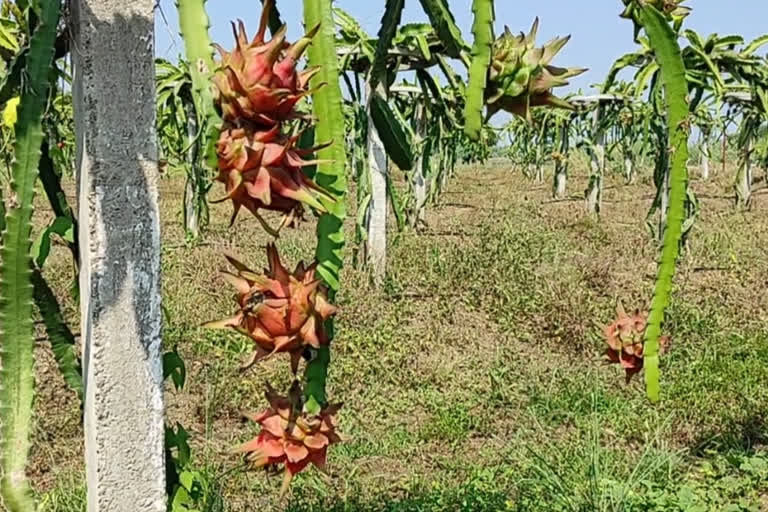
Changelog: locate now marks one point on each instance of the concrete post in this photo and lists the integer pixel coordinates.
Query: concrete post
(117, 174)
(595, 191)
(418, 182)
(377, 209)
(705, 154)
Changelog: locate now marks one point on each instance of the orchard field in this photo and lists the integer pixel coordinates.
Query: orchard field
(476, 377)
(313, 263)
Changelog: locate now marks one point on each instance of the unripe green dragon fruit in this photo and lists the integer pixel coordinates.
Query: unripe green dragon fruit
(521, 76)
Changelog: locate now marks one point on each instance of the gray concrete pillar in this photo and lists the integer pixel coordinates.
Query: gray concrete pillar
(117, 174)
(376, 245)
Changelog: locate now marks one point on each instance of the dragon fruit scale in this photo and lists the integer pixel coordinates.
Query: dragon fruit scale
(280, 311)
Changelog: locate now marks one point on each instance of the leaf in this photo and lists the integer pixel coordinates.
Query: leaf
(643, 77)
(442, 20)
(61, 337)
(362, 213)
(8, 39)
(397, 204)
(9, 112)
(274, 21)
(714, 71)
(18, 334)
(394, 132)
(482, 29)
(755, 45)
(393, 10)
(61, 226)
(178, 439)
(667, 51)
(174, 367)
(629, 59)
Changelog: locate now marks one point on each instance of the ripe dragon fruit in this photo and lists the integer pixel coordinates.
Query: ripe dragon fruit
(278, 310)
(262, 169)
(521, 77)
(257, 89)
(625, 340)
(291, 436)
(258, 81)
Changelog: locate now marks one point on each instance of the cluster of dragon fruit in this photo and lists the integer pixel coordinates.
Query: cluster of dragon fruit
(257, 91)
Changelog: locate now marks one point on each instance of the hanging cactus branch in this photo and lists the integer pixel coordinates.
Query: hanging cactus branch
(667, 52)
(331, 175)
(18, 336)
(194, 25)
(482, 30)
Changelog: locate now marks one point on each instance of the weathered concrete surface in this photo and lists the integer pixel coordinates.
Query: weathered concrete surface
(120, 254)
(376, 245)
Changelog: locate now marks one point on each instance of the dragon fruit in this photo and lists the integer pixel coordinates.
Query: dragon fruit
(258, 88)
(625, 340)
(257, 81)
(291, 436)
(521, 76)
(263, 169)
(278, 310)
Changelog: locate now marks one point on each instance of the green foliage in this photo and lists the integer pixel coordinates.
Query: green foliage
(61, 337)
(331, 175)
(18, 336)
(274, 21)
(181, 147)
(395, 133)
(442, 20)
(663, 40)
(482, 30)
(389, 23)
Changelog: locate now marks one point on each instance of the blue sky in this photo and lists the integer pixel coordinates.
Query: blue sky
(599, 36)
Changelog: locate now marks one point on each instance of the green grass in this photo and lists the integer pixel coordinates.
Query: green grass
(475, 380)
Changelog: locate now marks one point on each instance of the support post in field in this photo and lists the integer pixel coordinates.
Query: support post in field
(561, 164)
(117, 175)
(376, 245)
(418, 182)
(594, 197)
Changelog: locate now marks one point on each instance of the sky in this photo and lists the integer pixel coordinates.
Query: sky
(599, 36)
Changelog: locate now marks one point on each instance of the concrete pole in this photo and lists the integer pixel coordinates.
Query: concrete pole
(418, 182)
(377, 208)
(705, 155)
(117, 175)
(744, 179)
(595, 191)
